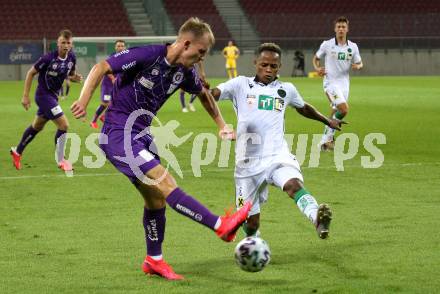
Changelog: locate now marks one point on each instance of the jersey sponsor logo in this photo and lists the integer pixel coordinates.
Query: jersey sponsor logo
(341, 56)
(250, 99)
(265, 102)
(56, 110)
(122, 53)
(279, 104)
(52, 73)
(186, 210)
(152, 230)
(129, 65)
(146, 83)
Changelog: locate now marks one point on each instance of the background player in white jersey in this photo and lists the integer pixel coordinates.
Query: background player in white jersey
(262, 154)
(340, 55)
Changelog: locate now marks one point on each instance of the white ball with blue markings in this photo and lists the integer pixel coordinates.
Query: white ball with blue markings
(252, 254)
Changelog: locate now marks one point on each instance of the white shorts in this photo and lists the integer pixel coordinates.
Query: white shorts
(255, 188)
(337, 93)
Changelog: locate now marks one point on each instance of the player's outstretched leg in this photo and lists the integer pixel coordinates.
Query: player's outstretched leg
(319, 215)
(224, 226)
(28, 135)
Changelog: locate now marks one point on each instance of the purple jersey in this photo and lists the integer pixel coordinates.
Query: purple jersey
(52, 71)
(145, 81)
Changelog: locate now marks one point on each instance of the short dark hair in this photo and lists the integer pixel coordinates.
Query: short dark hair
(119, 41)
(66, 33)
(269, 47)
(341, 19)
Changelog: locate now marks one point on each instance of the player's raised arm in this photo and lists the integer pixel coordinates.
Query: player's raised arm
(25, 101)
(95, 76)
(311, 112)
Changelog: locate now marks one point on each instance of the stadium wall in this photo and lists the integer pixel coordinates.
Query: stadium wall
(377, 63)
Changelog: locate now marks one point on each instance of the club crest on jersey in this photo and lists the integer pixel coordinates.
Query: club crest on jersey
(155, 72)
(69, 65)
(54, 66)
(282, 93)
(250, 99)
(178, 77)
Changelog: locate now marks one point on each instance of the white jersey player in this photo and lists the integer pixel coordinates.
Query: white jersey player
(340, 55)
(262, 155)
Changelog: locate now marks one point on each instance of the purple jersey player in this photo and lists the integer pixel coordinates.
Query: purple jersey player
(106, 89)
(147, 77)
(52, 69)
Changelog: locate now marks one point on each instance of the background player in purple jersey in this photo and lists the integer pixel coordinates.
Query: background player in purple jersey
(106, 89)
(52, 69)
(148, 76)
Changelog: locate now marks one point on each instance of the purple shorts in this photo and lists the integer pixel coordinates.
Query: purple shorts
(135, 157)
(48, 107)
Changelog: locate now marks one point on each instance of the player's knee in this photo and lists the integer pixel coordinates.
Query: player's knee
(343, 109)
(292, 186)
(167, 185)
(64, 126)
(38, 125)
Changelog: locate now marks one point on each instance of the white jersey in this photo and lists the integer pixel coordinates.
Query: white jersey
(260, 120)
(338, 60)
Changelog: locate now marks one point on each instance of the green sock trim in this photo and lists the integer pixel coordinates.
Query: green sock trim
(339, 115)
(300, 193)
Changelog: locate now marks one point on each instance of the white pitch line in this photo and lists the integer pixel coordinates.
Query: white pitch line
(214, 170)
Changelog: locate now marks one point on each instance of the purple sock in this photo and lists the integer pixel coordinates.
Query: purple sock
(98, 112)
(28, 135)
(193, 97)
(182, 99)
(67, 89)
(188, 206)
(154, 225)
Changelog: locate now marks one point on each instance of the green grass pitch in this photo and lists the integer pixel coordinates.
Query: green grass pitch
(84, 234)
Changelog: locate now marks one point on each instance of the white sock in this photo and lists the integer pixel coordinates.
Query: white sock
(156, 257)
(60, 148)
(308, 206)
(217, 224)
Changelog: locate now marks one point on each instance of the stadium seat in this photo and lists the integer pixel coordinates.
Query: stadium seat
(36, 19)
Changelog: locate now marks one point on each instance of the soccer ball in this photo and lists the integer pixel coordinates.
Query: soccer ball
(252, 254)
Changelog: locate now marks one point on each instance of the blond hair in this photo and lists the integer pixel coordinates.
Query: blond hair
(198, 28)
